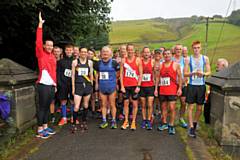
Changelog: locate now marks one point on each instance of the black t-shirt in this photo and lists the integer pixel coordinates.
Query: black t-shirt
(115, 65)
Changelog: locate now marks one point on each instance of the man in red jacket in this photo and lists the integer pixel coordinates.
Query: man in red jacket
(46, 82)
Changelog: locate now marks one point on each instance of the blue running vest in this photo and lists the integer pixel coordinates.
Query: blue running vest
(107, 77)
(194, 80)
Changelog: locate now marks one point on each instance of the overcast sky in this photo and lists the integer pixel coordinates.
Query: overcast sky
(142, 9)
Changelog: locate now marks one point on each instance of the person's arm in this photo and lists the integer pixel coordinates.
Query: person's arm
(179, 75)
(39, 37)
(140, 70)
(58, 72)
(208, 67)
(90, 63)
(96, 75)
(73, 75)
(153, 69)
(157, 78)
(121, 76)
(186, 69)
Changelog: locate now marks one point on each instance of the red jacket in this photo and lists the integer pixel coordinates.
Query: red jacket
(46, 62)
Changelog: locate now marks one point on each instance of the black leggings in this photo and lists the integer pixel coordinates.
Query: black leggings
(45, 97)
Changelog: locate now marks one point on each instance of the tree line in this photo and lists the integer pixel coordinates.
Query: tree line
(84, 22)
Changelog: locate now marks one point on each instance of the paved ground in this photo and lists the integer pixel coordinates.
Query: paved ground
(108, 144)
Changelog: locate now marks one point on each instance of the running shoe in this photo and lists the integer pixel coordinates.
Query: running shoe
(114, 125)
(149, 125)
(143, 125)
(62, 122)
(104, 124)
(171, 130)
(182, 122)
(50, 131)
(192, 133)
(163, 127)
(133, 126)
(42, 134)
(125, 125)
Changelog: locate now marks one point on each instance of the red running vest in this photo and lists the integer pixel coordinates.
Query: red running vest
(168, 80)
(130, 74)
(147, 79)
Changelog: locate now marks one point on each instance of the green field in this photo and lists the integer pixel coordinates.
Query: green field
(156, 33)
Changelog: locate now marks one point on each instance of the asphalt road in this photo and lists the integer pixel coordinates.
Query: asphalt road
(108, 144)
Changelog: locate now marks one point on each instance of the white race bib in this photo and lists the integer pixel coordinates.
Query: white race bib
(68, 73)
(83, 71)
(130, 74)
(165, 81)
(103, 75)
(146, 77)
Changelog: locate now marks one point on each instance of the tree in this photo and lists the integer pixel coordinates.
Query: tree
(82, 21)
(234, 18)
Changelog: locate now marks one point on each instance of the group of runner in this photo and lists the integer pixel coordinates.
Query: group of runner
(125, 78)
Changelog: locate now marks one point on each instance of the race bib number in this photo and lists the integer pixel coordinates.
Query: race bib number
(165, 81)
(104, 76)
(146, 77)
(68, 73)
(83, 71)
(195, 77)
(130, 74)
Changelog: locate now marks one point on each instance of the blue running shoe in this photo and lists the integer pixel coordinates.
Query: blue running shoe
(143, 125)
(149, 125)
(42, 134)
(50, 131)
(171, 130)
(163, 127)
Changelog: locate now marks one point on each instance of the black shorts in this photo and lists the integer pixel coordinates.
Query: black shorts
(65, 92)
(168, 98)
(184, 91)
(196, 94)
(147, 91)
(83, 89)
(130, 91)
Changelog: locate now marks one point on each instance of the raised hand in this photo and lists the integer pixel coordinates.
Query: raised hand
(41, 21)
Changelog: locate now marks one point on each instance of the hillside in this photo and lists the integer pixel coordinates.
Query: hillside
(159, 32)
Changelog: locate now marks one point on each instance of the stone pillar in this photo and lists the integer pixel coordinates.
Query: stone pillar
(18, 83)
(225, 108)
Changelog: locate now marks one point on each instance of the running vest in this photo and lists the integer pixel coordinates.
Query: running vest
(195, 80)
(147, 78)
(168, 80)
(64, 71)
(130, 73)
(82, 72)
(107, 77)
